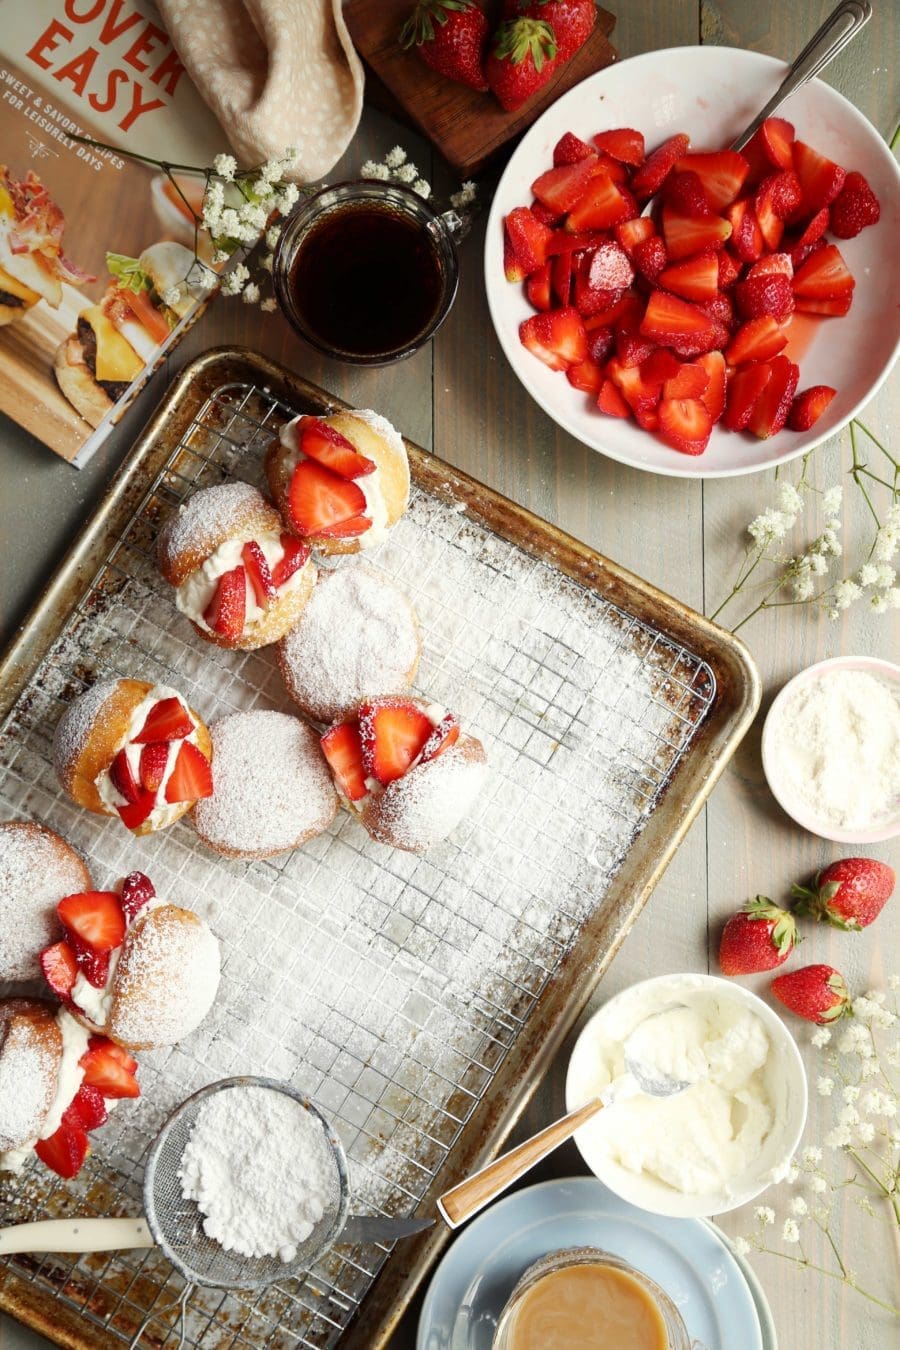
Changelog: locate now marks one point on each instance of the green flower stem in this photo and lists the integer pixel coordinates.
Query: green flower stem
(872, 437)
(133, 154)
(741, 582)
(832, 1275)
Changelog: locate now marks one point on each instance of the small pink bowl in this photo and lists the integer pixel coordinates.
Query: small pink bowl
(889, 674)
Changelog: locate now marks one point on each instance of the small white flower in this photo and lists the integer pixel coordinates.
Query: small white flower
(288, 197)
(394, 158)
(369, 169)
(235, 280)
(792, 1173)
(799, 1206)
(812, 1155)
(866, 1131)
(267, 261)
(878, 604)
(831, 501)
(894, 982)
(868, 1068)
(818, 1185)
(802, 586)
(407, 174)
(824, 1086)
(422, 188)
(768, 526)
(225, 166)
(765, 1214)
(172, 296)
(845, 592)
(850, 1093)
(818, 564)
(269, 306)
(830, 543)
(867, 574)
(790, 1232)
(839, 1137)
(848, 1116)
(273, 234)
(789, 500)
(250, 294)
(820, 1037)
(741, 1246)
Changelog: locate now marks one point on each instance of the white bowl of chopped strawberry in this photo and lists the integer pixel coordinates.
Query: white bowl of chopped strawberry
(749, 315)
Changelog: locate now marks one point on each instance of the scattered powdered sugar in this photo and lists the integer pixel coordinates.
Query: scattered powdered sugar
(166, 979)
(37, 869)
(261, 1170)
(271, 785)
(219, 510)
(78, 722)
(429, 801)
(357, 636)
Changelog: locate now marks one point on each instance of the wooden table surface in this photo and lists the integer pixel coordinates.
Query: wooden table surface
(459, 397)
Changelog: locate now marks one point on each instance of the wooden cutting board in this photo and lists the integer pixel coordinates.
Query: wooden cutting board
(468, 128)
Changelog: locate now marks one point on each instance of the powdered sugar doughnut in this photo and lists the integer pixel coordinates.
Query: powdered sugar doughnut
(272, 789)
(200, 549)
(37, 868)
(358, 635)
(30, 1055)
(429, 801)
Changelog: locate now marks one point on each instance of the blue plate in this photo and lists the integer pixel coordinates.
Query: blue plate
(686, 1257)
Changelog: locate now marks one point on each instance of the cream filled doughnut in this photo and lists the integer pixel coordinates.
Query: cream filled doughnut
(239, 576)
(357, 635)
(37, 868)
(406, 769)
(340, 482)
(132, 967)
(135, 750)
(273, 789)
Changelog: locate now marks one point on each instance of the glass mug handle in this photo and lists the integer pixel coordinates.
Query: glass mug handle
(457, 222)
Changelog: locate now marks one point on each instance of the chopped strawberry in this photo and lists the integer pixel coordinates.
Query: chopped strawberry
(445, 734)
(319, 500)
(640, 396)
(773, 262)
(544, 214)
(721, 311)
(258, 573)
(342, 748)
(167, 720)
(824, 276)
(809, 406)
(650, 258)
(685, 192)
(630, 233)
(774, 403)
(116, 1052)
(744, 390)
(631, 348)
(134, 814)
(512, 267)
(729, 268)
(685, 235)
(563, 242)
(690, 382)
(820, 179)
(137, 891)
(815, 228)
(104, 1070)
(560, 188)
(529, 240)
(94, 966)
(154, 758)
(834, 306)
(95, 917)
(601, 206)
(328, 447)
(695, 279)
(756, 340)
(569, 149)
(713, 396)
(721, 172)
(600, 345)
(191, 778)
(347, 529)
(746, 236)
(393, 733)
(610, 266)
(624, 144)
(561, 278)
(625, 313)
(585, 375)
(611, 402)
(667, 317)
(65, 1150)
(659, 367)
(855, 207)
(557, 338)
(616, 171)
(296, 555)
(685, 424)
(777, 197)
(777, 140)
(60, 968)
(87, 1108)
(768, 294)
(651, 175)
(537, 287)
(226, 612)
(589, 299)
(123, 779)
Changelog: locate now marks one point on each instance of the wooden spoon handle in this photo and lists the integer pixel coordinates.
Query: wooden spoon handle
(471, 1195)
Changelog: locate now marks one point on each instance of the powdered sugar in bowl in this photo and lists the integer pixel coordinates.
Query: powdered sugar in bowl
(831, 749)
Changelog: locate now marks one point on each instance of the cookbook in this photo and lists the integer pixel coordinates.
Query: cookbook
(97, 273)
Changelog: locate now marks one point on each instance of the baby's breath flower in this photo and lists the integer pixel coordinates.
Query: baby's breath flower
(234, 281)
(820, 1037)
(741, 1246)
(850, 1093)
(422, 188)
(221, 255)
(269, 306)
(789, 501)
(287, 198)
(408, 173)
(812, 1155)
(867, 574)
(765, 1214)
(394, 158)
(866, 1131)
(845, 592)
(267, 262)
(790, 1232)
(802, 586)
(818, 564)
(225, 166)
(172, 296)
(824, 1086)
(818, 1184)
(799, 1206)
(768, 526)
(868, 1068)
(250, 294)
(370, 169)
(831, 501)
(838, 1138)
(273, 234)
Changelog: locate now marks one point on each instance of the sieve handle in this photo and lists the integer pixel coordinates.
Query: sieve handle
(75, 1235)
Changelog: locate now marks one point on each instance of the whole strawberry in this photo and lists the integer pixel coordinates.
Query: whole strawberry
(849, 894)
(817, 993)
(451, 37)
(572, 21)
(522, 58)
(759, 937)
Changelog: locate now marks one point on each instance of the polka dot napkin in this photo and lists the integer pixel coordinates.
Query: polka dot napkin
(276, 73)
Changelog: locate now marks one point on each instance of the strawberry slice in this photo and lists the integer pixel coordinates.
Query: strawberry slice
(296, 555)
(721, 172)
(560, 188)
(529, 240)
(776, 137)
(570, 149)
(774, 403)
(319, 500)
(773, 262)
(226, 612)
(667, 317)
(347, 529)
(729, 268)
(824, 276)
(689, 382)
(820, 179)
(685, 192)
(585, 375)
(342, 747)
(641, 396)
(815, 228)
(153, 761)
(695, 279)
(95, 917)
(834, 307)
(104, 1070)
(561, 242)
(652, 173)
(191, 778)
(123, 779)
(756, 340)
(258, 573)
(512, 268)
(685, 424)
(685, 235)
(612, 168)
(117, 1052)
(328, 447)
(777, 198)
(87, 1108)
(137, 891)
(746, 236)
(855, 207)
(556, 338)
(630, 233)
(60, 969)
(631, 348)
(650, 258)
(768, 294)
(745, 388)
(601, 206)
(392, 733)
(65, 1150)
(537, 288)
(561, 278)
(624, 144)
(135, 813)
(94, 966)
(659, 367)
(167, 720)
(713, 396)
(445, 734)
(611, 402)
(543, 214)
(809, 406)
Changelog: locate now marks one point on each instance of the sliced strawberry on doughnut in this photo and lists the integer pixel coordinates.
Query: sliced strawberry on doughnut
(445, 734)
(392, 733)
(104, 1069)
(94, 966)
(87, 1108)
(137, 891)
(328, 447)
(135, 813)
(168, 720)
(152, 767)
(191, 778)
(94, 917)
(347, 529)
(342, 747)
(60, 968)
(65, 1150)
(258, 573)
(123, 779)
(227, 610)
(319, 500)
(296, 555)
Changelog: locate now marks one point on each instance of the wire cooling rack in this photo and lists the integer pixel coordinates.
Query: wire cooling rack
(389, 987)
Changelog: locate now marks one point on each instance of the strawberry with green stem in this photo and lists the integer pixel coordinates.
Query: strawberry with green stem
(523, 57)
(817, 993)
(450, 37)
(848, 894)
(760, 936)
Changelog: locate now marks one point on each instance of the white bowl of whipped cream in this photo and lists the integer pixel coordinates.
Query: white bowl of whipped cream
(724, 1139)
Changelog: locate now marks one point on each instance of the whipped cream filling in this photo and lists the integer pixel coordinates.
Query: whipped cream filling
(74, 1044)
(93, 1001)
(163, 812)
(369, 484)
(194, 595)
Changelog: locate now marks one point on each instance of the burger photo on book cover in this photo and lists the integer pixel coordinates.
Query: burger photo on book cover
(32, 263)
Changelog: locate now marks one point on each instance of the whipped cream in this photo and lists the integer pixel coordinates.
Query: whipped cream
(68, 1081)
(95, 1001)
(369, 484)
(194, 595)
(163, 812)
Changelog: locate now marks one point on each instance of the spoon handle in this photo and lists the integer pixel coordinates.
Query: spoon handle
(841, 26)
(471, 1195)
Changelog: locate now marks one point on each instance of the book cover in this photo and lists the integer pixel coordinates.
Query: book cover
(91, 242)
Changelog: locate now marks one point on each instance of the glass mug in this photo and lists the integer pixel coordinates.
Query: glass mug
(663, 1324)
(366, 271)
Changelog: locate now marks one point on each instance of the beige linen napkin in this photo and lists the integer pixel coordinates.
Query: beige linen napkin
(276, 73)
